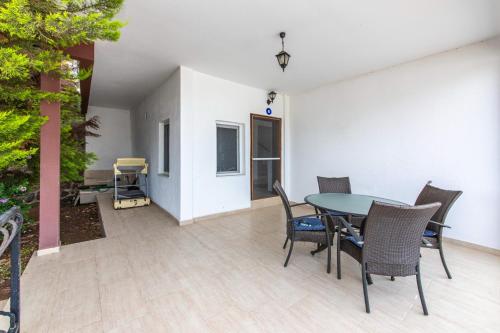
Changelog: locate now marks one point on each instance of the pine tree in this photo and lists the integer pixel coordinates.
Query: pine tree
(33, 36)
(16, 132)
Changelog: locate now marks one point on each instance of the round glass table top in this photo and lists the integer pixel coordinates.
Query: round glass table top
(356, 204)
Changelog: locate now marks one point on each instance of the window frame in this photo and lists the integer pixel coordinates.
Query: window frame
(240, 145)
(161, 147)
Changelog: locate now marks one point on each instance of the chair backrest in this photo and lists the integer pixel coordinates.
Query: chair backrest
(279, 189)
(334, 185)
(434, 194)
(392, 237)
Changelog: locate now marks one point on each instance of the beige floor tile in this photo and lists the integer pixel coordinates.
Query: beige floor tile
(246, 293)
(113, 268)
(108, 246)
(76, 308)
(75, 273)
(92, 328)
(274, 317)
(149, 323)
(120, 300)
(77, 252)
(159, 281)
(233, 319)
(180, 311)
(209, 295)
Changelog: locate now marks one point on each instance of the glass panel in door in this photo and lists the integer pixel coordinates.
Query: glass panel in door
(266, 155)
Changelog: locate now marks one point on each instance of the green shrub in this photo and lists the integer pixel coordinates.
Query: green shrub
(12, 192)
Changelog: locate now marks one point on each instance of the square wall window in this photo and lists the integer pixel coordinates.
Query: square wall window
(164, 148)
(229, 148)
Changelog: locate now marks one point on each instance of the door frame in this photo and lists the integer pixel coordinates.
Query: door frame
(259, 116)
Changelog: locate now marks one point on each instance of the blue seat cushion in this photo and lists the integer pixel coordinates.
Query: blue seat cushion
(430, 233)
(308, 224)
(353, 240)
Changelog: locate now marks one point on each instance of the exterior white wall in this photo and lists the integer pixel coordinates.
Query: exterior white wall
(205, 100)
(187, 144)
(115, 140)
(162, 104)
(434, 119)
(194, 102)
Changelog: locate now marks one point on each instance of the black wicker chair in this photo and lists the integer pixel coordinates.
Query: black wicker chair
(433, 234)
(336, 185)
(389, 243)
(308, 228)
(339, 185)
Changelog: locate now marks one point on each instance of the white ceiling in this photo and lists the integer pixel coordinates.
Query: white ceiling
(329, 40)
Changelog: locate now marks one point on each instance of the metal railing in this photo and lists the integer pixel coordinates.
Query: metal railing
(10, 228)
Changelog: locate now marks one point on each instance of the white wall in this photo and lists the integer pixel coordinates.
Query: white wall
(205, 100)
(437, 118)
(187, 144)
(193, 102)
(115, 140)
(162, 104)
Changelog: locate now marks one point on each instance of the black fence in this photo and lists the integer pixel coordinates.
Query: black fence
(10, 231)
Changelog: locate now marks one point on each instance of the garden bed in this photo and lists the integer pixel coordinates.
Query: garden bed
(78, 224)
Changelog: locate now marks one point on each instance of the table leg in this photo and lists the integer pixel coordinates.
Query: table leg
(320, 248)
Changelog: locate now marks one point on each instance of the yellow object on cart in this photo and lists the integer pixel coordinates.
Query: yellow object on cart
(130, 195)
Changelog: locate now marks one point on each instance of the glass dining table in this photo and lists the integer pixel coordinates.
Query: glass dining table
(350, 205)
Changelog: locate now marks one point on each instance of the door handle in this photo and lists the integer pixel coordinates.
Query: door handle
(266, 158)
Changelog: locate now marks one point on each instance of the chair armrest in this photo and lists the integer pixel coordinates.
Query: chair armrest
(351, 231)
(440, 224)
(426, 242)
(298, 204)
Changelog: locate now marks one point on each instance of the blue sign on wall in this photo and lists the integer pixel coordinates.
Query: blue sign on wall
(269, 111)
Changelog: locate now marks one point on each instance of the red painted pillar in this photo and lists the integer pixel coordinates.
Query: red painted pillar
(50, 148)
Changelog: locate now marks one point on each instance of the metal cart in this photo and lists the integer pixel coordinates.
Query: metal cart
(131, 184)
